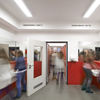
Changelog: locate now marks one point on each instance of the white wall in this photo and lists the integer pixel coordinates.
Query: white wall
(72, 38)
(8, 18)
(89, 45)
(6, 36)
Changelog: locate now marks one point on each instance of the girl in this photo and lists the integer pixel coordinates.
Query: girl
(60, 66)
(20, 66)
(88, 65)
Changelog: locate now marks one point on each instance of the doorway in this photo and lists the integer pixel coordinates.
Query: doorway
(52, 48)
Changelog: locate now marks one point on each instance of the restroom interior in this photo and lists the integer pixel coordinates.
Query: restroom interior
(50, 22)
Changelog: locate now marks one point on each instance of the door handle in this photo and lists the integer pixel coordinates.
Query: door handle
(30, 66)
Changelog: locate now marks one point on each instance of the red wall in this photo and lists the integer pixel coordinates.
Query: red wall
(76, 74)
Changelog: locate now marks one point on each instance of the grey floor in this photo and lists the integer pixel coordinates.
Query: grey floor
(62, 92)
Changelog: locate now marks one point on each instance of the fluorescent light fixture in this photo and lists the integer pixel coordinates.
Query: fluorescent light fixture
(92, 8)
(57, 44)
(23, 7)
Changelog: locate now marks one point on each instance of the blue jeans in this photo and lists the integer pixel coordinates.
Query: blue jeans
(88, 80)
(20, 81)
(60, 77)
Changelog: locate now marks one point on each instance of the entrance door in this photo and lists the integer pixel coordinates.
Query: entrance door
(60, 46)
(36, 66)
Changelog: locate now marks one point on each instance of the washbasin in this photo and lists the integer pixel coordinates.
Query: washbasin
(7, 76)
(95, 72)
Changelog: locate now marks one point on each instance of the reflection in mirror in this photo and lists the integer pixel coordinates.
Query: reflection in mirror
(37, 61)
(13, 48)
(89, 46)
(4, 54)
(12, 53)
(37, 53)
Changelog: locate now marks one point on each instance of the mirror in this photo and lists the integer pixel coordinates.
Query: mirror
(37, 61)
(90, 45)
(37, 53)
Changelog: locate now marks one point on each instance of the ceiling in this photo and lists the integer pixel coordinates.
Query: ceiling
(53, 12)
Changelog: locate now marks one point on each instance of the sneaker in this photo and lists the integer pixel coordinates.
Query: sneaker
(16, 97)
(89, 91)
(23, 90)
(83, 88)
(56, 81)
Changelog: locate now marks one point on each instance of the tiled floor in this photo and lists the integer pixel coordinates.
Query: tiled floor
(65, 92)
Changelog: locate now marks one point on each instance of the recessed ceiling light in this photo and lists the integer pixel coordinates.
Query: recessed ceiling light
(92, 8)
(23, 7)
(81, 25)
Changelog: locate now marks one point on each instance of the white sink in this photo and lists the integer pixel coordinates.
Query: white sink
(95, 72)
(7, 79)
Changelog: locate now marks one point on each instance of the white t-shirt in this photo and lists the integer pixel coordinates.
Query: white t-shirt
(53, 58)
(59, 64)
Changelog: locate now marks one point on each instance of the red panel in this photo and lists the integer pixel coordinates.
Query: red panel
(40, 68)
(96, 83)
(37, 68)
(75, 73)
(4, 91)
